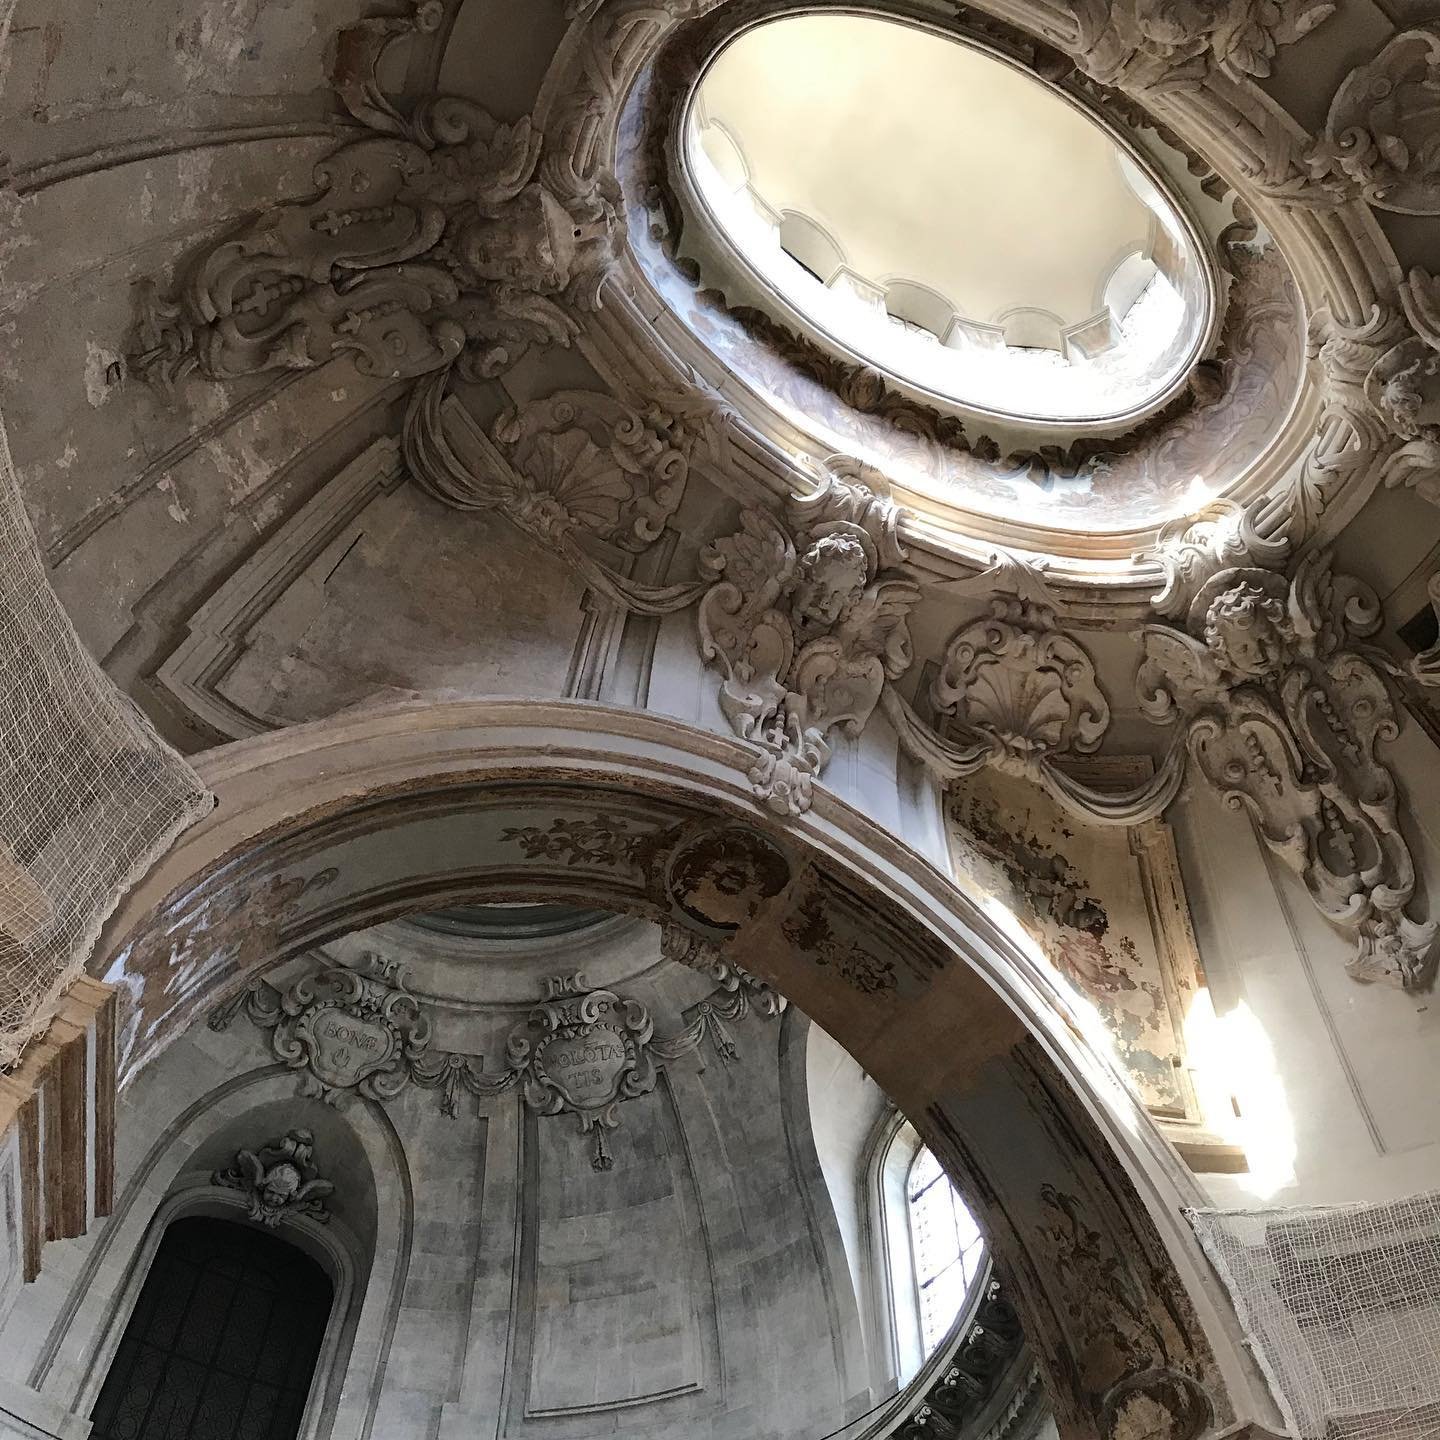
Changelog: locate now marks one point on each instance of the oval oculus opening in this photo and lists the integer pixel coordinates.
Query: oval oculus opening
(942, 216)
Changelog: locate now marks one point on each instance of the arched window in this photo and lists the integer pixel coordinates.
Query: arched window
(223, 1340)
(946, 1244)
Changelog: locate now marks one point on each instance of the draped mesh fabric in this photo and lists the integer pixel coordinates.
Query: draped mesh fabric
(1342, 1306)
(90, 796)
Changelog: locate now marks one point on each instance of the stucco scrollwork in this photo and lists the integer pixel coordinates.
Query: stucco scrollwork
(348, 1031)
(430, 242)
(1016, 692)
(1018, 684)
(738, 985)
(279, 1180)
(1382, 141)
(577, 463)
(1381, 401)
(806, 617)
(581, 1052)
(360, 1032)
(1174, 44)
(1405, 385)
(1283, 707)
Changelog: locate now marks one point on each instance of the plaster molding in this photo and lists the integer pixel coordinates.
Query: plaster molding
(1261, 660)
(356, 1030)
(1380, 139)
(1177, 44)
(576, 465)
(687, 948)
(1192, 81)
(806, 621)
(349, 1031)
(432, 242)
(465, 262)
(1015, 691)
(279, 1180)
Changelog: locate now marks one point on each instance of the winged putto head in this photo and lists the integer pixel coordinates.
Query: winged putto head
(279, 1180)
(1247, 629)
(831, 576)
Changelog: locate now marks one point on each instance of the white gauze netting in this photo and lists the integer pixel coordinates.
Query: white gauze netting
(90, 796)
(1342, 1306)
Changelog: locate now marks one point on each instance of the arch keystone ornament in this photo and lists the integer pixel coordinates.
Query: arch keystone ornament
(807, 620)
(279, 1180)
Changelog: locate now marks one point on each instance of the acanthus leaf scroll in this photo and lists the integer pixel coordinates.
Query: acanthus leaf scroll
(1177, 44)
(431, 241)
(1283, 707)
(807, 620)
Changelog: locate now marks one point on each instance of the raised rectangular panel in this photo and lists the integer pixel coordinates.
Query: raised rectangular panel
(373, 591)
(652, 1301)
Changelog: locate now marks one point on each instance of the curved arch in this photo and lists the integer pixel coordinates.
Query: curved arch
(330, 826)
(76, 1345)
(921, 305)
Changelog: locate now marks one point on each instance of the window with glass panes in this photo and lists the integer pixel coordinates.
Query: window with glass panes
(223, 1341)
(948, 1249)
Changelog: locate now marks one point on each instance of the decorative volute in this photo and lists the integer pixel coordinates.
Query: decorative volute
(1283, 708)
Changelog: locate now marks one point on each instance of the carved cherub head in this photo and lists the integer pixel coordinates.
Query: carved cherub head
(1247, 631)
(1402, 397)
(831, 576)
(280, 1185)
(536, 243)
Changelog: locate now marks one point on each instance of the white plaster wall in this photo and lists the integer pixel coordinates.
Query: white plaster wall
(1348, 1093)
(697, 1289)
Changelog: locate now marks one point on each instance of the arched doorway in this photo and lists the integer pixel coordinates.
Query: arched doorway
(364, 818)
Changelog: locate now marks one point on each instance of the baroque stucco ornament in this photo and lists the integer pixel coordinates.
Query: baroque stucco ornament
(360, 1032)
(1019, 688)
(1381, 141)
(1175, 44)
(279, 1180)
(1404, 386)
(581, 1053)
(1017, 692)
(575, 464)
(806, 619)
(431, 242)
(346, 1031)
(1283, 709)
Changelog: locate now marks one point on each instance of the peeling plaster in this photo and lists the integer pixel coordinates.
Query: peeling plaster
(98, 385)
(174, 509)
